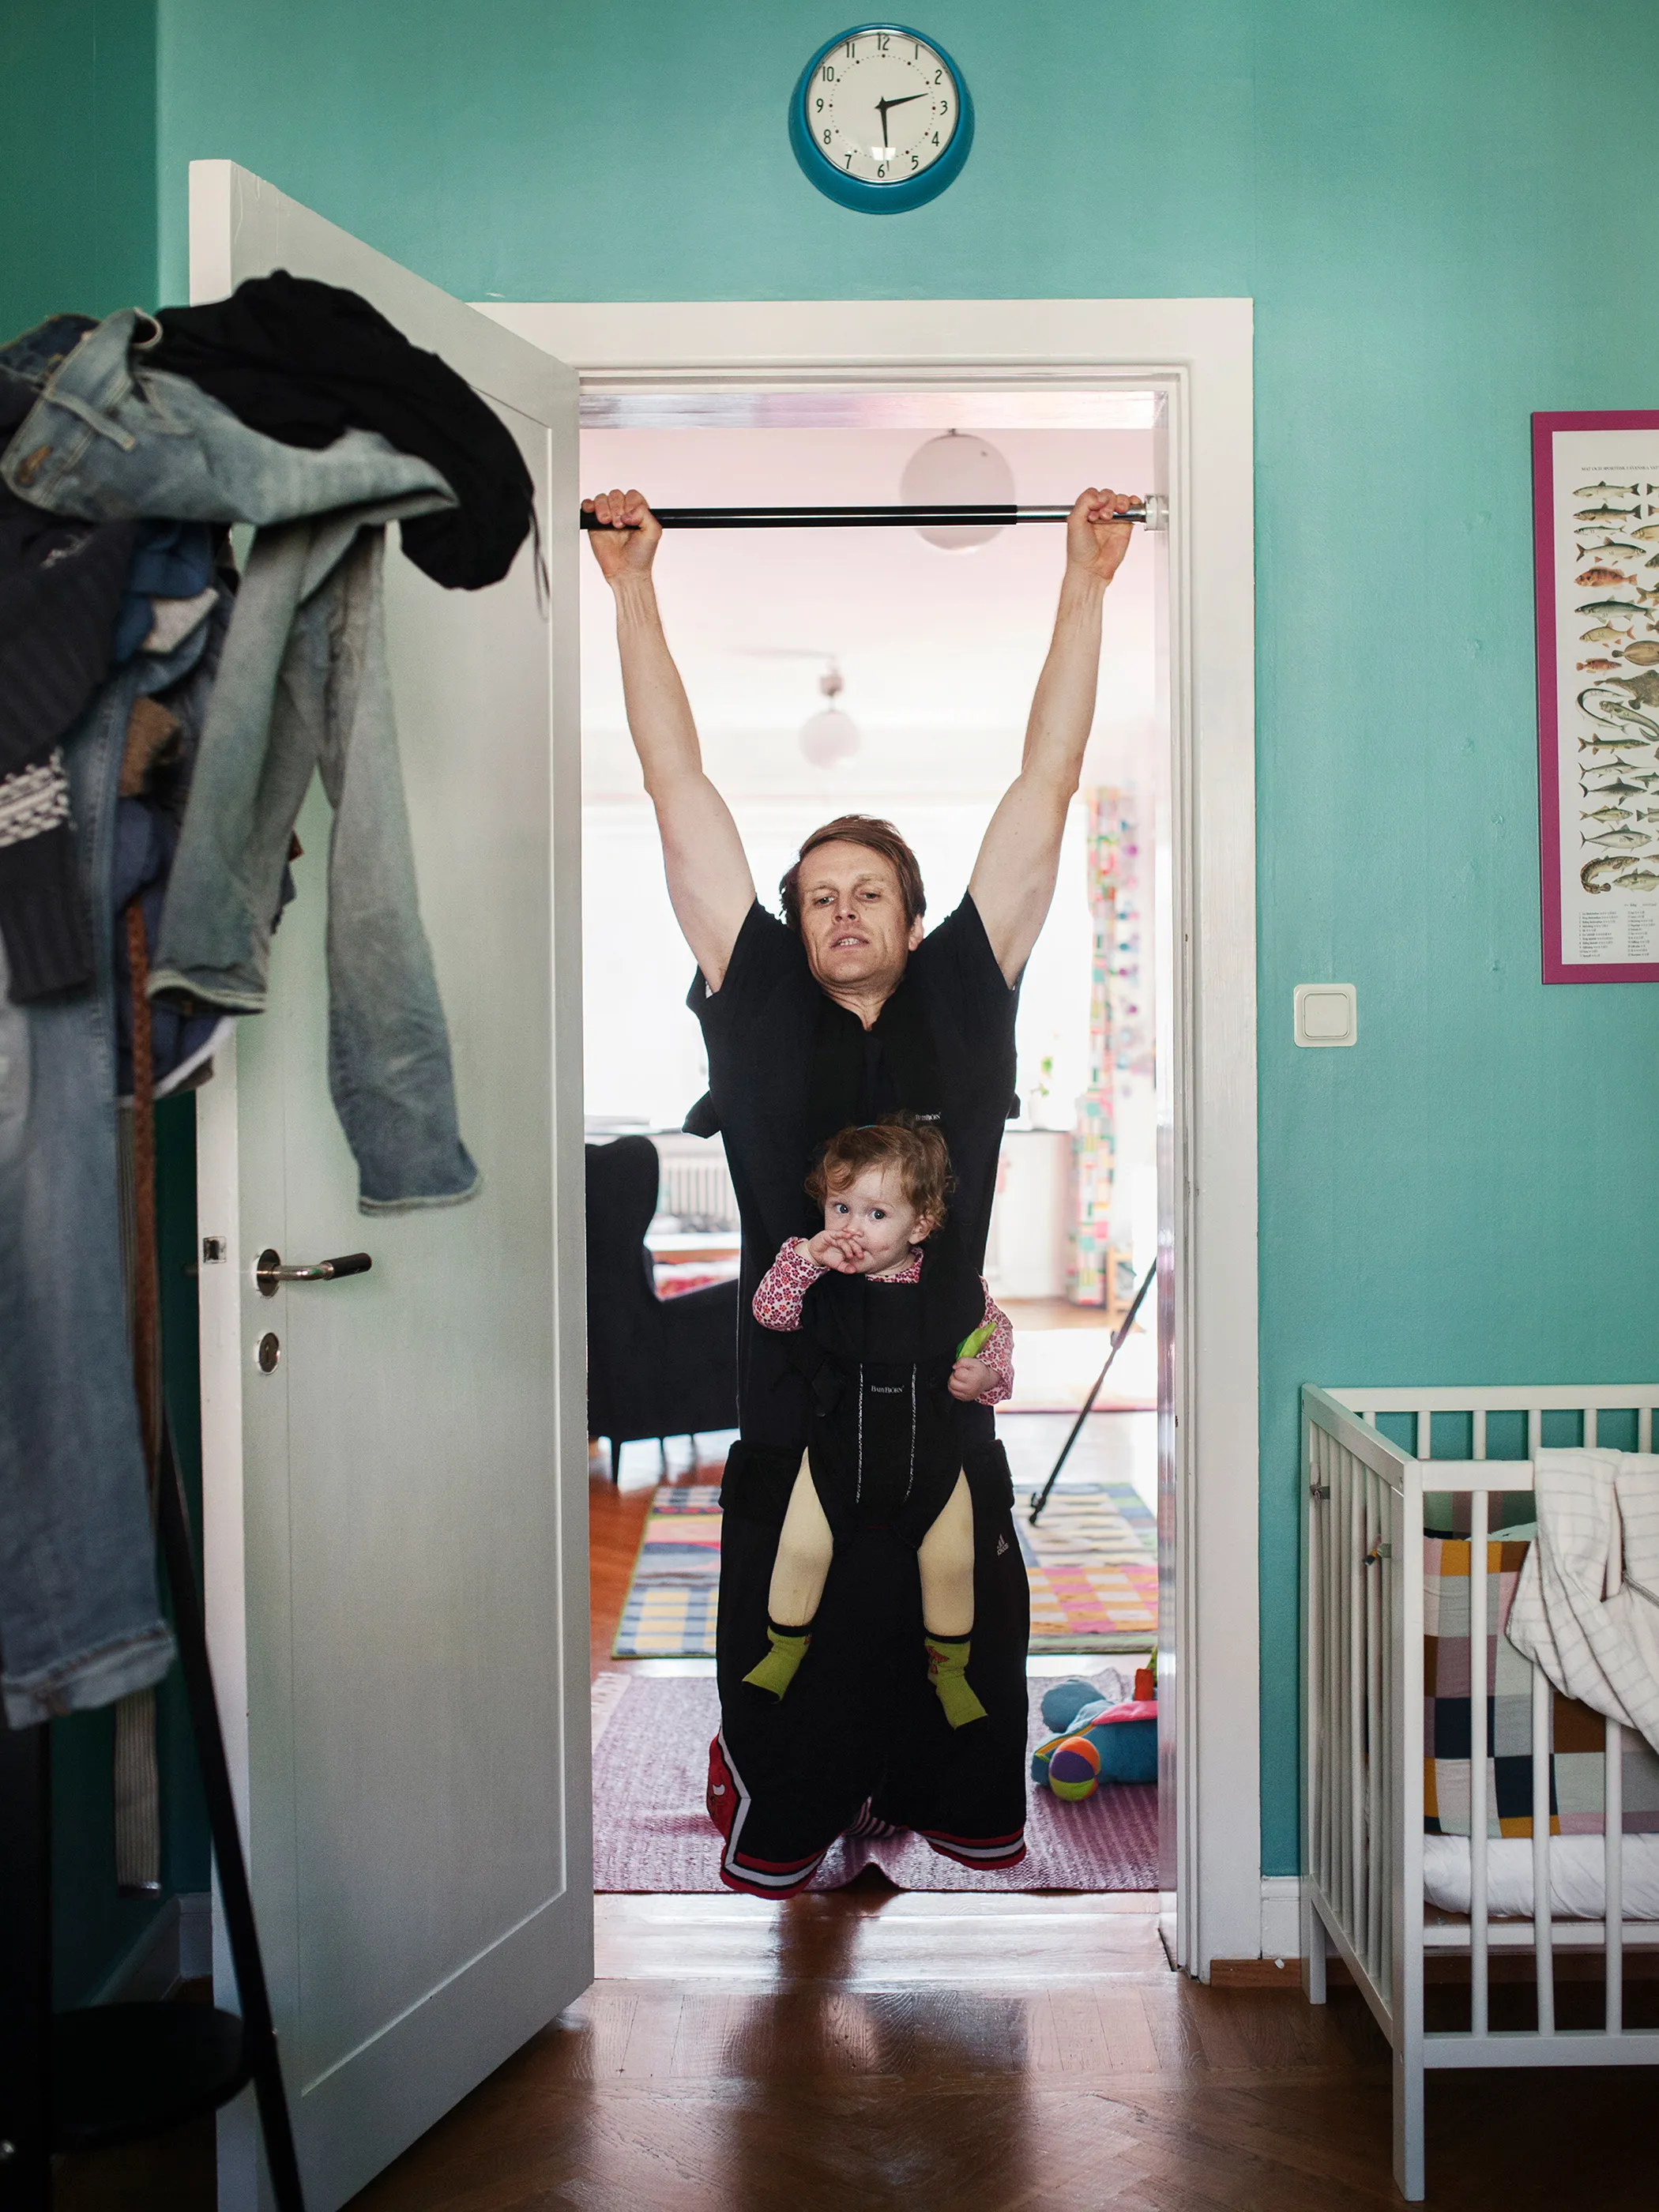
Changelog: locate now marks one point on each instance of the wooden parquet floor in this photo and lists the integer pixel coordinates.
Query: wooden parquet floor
(951, 2053)
(954, 2053)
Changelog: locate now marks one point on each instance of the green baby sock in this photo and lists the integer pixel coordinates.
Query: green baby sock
(947, 1661)
(777, 1670)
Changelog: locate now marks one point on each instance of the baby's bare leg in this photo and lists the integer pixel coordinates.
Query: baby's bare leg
(946, 1557)
(806, 1547)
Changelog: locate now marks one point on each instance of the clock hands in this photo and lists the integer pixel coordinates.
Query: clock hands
(882, 105)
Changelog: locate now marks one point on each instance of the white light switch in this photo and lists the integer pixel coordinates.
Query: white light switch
(1327, 1013)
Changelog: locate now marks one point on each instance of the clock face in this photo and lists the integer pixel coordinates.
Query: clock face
(881, 107)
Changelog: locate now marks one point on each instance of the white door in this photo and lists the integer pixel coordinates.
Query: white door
(396, 1516)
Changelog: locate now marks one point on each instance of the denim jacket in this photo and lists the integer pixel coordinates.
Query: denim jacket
(302, 686)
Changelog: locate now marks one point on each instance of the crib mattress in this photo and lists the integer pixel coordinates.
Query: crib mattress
(1577, 1868)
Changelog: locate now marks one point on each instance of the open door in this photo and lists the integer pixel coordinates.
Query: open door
(396, 1512)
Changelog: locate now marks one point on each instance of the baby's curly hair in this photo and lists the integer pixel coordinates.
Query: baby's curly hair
(897, 1140)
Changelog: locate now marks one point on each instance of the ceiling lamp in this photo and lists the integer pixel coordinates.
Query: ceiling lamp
(955, 470)
(830, 736)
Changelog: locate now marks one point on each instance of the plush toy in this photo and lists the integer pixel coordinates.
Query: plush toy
(1122, 1736)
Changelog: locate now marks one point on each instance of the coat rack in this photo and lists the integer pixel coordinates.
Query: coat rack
(1153, 512)
(112, 2074)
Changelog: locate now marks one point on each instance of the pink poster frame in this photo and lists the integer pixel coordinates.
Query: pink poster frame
(1544, 428)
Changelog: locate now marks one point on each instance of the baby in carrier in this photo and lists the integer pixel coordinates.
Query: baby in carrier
(896, 1332)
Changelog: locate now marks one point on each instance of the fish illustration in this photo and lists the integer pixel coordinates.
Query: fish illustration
(1644, 688)
(1601, 576)
(1606, 513)
(1610, 814)
(1643, 880)
(1600, 490)
(1602, 634)
(1598, 667)
(1605, 610)
(1648, 534)
(1617, 789)
(1609, 745)
(1642, 652)
(1625, 839)
(1593, 868)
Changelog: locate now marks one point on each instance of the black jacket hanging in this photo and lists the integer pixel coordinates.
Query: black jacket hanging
(303, 361)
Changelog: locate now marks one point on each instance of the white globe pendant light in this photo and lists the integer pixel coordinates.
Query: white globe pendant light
(830, 736)
(958, 470)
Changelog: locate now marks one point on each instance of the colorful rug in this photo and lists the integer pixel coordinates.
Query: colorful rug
(673, 1597)
(1092, 1562)
(652, 1833)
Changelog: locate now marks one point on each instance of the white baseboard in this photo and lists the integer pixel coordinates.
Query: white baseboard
(1281, 1915)
(176, 1947)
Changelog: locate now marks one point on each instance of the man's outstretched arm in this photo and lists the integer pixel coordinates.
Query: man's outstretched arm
(1013, 878)
(703, 855)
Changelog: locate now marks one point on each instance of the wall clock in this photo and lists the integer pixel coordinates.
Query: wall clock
(881, 120)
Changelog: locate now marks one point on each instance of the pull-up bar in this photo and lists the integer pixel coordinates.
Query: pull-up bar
(1153, 512)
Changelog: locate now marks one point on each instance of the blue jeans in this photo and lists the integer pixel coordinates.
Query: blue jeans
(110, 440)
(302, 685)
(80, 1623)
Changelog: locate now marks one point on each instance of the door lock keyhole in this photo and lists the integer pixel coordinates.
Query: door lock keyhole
(269, 1351)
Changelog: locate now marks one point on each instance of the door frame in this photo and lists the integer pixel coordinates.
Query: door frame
(1198, 353)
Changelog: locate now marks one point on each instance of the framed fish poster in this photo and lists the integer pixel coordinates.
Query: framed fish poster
(1595, 515)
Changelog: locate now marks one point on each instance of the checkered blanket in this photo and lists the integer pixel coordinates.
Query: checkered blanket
(1578, 1735)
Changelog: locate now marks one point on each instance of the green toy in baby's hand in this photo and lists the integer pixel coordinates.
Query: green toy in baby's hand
(971, 1346)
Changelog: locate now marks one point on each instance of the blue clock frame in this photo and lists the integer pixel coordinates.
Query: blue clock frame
(853, 191)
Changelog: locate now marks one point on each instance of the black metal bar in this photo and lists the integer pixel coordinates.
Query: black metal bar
(1128, 1322)
(26, 1968)
(849, 518)
(259, 2030)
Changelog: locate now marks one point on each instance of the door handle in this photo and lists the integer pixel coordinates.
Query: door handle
(269, 1271)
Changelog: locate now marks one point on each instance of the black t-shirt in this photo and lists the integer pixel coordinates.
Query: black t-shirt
(787, 1067)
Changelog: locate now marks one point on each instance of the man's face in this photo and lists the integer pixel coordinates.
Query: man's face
(852, 917)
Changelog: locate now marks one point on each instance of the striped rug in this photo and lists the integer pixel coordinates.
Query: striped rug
(651, 1832)
(1092, 1563)
(673, 1600)
(1091, 1559)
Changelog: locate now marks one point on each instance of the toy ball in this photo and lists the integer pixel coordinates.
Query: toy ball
(1074, 1768)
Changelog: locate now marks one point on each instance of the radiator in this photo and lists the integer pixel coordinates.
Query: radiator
(695, 1186)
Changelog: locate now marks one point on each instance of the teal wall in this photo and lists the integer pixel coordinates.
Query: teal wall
(1441, 234)
(77, 157)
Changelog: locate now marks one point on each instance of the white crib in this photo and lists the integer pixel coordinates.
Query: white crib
(1362, 1730)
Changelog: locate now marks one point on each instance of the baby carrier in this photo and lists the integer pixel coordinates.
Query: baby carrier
(887, 1440)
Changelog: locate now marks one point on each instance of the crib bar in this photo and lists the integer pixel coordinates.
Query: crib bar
(1542, 1893)
(1644, 1428)
(1376, 1737)
(1330, 1624)
(1353, 1583)
(1479, 1979)
(1404, 1845)
(1612, 1877)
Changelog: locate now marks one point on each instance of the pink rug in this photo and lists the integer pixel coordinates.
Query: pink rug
(652, 1834)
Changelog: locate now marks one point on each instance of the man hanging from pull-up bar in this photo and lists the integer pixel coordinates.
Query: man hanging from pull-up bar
(840, 1014)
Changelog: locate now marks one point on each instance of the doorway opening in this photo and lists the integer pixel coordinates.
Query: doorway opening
(876, 671)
